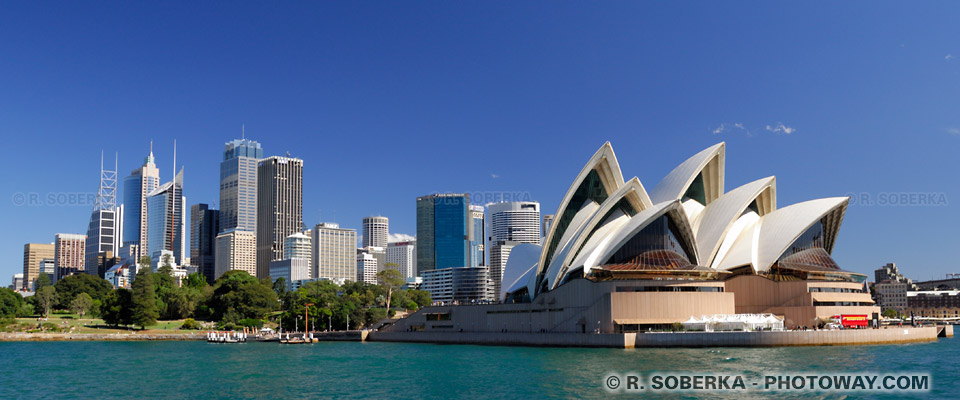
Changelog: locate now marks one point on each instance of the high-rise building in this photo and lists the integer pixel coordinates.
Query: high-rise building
(404, 256)
(136, 187)
(17, 283)
(105, 230)
(33, 256)
(236, 250)
(48, 266)
(279, 207)
(69, 254)
(478, 256)
(463, 285)
(334, 252)
(443, 231)
(547, 223)
(291, 270)
(511, 223)
(375, 231)
(238, 185)
(204, 226)
(366, 267)
(298, 245)
(166, 210)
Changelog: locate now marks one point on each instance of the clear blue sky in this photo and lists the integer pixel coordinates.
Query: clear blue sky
(386, 101)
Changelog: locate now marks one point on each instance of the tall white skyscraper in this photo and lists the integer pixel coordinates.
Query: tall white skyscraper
(511, 223)
(238, 185)
(404, 256)
(375, 231)
(136, 187)
(334, 252)
(366, 267)
(477, 235)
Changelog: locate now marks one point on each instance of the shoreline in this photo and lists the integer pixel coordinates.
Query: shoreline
(104, 337)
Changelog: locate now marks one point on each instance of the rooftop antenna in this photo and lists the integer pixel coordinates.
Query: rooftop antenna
(174, 158)
(243, 132)
(107, 191)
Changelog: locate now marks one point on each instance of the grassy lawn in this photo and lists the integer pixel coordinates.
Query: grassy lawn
(96, 325)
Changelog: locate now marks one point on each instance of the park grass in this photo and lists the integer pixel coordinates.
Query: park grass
(96, 325)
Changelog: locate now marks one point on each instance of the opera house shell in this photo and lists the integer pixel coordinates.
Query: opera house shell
(620, 258)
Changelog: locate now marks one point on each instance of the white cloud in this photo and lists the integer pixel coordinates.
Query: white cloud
(399, 237)
(736, 126)
(494, 176)
(954, 131)
(949, 57)
(780, 128)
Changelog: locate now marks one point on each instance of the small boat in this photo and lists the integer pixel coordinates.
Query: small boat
(226, 337)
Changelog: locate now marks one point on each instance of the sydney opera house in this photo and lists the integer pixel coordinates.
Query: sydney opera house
(620, 258)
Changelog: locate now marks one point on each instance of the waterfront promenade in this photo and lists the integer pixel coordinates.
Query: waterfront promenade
(675, 339)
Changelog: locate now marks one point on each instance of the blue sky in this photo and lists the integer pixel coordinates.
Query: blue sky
(386, 101)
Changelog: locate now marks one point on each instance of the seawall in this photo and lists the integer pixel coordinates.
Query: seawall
(669, 339)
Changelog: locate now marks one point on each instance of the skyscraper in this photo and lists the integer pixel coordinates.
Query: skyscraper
(105, 230)
(511, 223)
(404, 256)
(238, 185)
(478, 256)
(298, 245)
(366, 267)
(279, 207)
(334, 252)
(443, 231)
(69, 254)
(236, 250)
(547, 223)
(140, 183)
(375, 231)
(204, 226)
(33, 256)
(166, 209)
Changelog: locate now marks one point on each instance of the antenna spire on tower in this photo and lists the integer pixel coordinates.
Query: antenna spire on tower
(243, 132)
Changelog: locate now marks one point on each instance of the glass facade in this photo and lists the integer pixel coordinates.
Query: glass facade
(478, 254)
(131, 209)
(238, 185)
(656, 247)
(425, 240)
(450, 232)
(807, 259)
(444, 232)
(696, 191)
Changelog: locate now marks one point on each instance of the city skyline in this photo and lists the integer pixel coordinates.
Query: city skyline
(889, 111)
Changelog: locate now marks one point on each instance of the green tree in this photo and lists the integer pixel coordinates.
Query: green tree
(117, 308)
(71, 286)
(237, 295)
(280, 286)
(46, 298)
(144, 311)
(10, 303)
(420, 297)
(42, 280)
(891, 313)
(196, 280)
(390, 279)
(146, 261)
(81, 304)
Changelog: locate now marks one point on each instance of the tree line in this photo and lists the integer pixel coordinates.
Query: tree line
(235, 299)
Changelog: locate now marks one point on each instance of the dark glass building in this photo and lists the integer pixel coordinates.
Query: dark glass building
(204, 226)
(443, 231)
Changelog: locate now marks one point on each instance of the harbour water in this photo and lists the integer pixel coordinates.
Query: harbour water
(138, 370)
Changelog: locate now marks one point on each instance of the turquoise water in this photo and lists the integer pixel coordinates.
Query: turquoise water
(382, 370)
